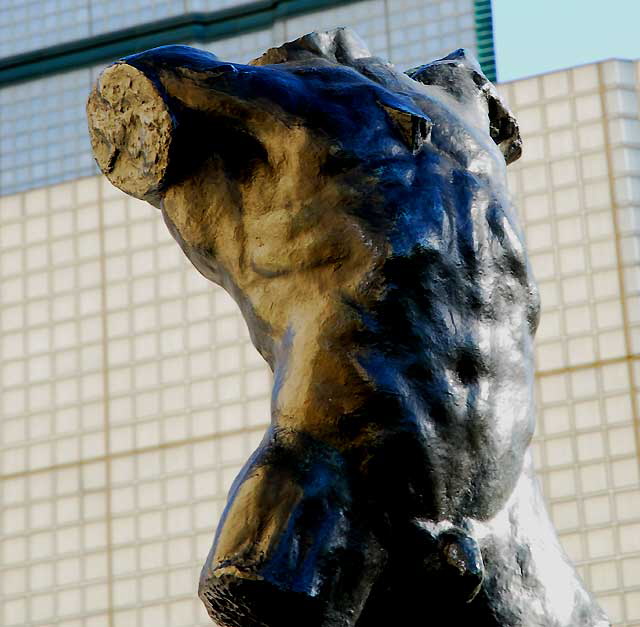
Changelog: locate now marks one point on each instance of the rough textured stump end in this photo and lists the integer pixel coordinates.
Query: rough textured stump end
(131, 130)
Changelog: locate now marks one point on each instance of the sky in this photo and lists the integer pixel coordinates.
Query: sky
(535, 36)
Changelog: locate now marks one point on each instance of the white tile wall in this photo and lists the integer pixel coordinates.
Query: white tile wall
(576, 192)
(53, 401)
(131, 396)
(565, 186)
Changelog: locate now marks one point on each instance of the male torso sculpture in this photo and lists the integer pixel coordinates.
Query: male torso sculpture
(359, 217)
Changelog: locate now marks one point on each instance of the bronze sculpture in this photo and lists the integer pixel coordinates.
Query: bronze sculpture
(359, 216)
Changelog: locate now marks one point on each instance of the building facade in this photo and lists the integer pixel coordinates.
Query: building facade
(131, 394)
(578, 193)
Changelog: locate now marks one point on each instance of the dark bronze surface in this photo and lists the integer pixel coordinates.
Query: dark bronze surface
(360, 218)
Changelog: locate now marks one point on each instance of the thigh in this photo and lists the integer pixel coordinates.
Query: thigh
(294, 545)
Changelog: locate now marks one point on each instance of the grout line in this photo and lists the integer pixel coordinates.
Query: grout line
(188, 374)
(544, 478)
(23, 279)
(621, 280)
(90, 17)
(590, 304)
(106, 408)
(623, 302)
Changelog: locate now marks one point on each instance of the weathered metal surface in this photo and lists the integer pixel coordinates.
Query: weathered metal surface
(360, 218)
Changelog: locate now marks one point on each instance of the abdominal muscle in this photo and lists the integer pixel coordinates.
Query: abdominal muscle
(453, 441)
